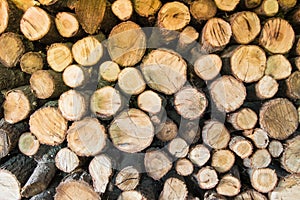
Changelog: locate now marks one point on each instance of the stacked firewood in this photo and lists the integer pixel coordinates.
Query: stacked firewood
(204, 103)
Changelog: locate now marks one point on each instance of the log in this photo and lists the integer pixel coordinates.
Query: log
(47, 84)
(187, 39)
(250, 4)
(263, 180)
(268, 8)
(261, 158)
(250, 194)
(279, 118)
(203, 9)
(108, 73)
(289, 159)
(24, 4)
(287, 4)
(132, 194)
(212, 195)
(287, 188)
(11, 78)
(269, 37)
(229, 186)
(190, 103)
(216, 34)
(243, 119)
(157, 164)
(199, 155)
(19, 104)
(178, 148)
(215, 134)
(126, 44)
(73, 105)
(168, 131)
(10, 186)
(48, 2)
(131, 131)
(128, 178)
(76, 76)
(245, 26)
(228, 93)
(190, 132)
(258, 136)
(66, 160)
(44, 29)
(100, 169)
(87, 51)
(208, 67)
(184, 167)
(293, 85)
(86, 137)
(10, 16)
(131, 82)
(149, 102)
(241, 146)
(146, 8)
(59, 56)
(48, 125)
(167, 63)
(278, 67)
(106, 102)
(275, 148)
(174, 188)
(31, 62)
(266, 87)
(227, 5)
(222, 160)
(123, 9)
(28, 144)
(67, 24)
(207, 178)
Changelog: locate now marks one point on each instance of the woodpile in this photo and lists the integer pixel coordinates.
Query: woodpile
(149, 99)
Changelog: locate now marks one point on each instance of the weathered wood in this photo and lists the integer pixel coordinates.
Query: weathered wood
(28, 144)
(289, 159)
(243, 119)
(268, 8)
(278, 67)
(11, 78)
(258, 136)
(215, 134)
(146, 8)
(184, 167)
(275, 148)
(178, 147)
(168, 131)
(211, 195)
(241, 146)
(174, 188)
(108, 73)
(207, 67)
(261, 158)
(187, 39)
(207, 178)
(266, 87)
(128, 178)
(251, 195)
(222, 160)
(130, 81)
(263, 180)
(150, 102)
(66, 160)
(31, 62)
(293, 85)
(229, 186)
(287, 188)
(199, 155)
(203, 9)
(9, 185)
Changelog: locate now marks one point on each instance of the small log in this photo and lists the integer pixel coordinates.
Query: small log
(190, 103)
(66, 160)
(75, 190)
(24, 4)
(289, 159)
(269, 36)
(76, 76)
(126, 44)
(150, 102)
(228, 93)
(287, 4)
(184, 167)
(229, 186)
(258, 136)
(86, 137)
(167, 63)
(216, 34)
(275, 148)
(261, 158)
(250, 4)
(199, 155)
(90, 14)
(293, 85)
(266, 87)
(174, 188)
(241, 146)
(207, 178)
(44, 29)
(157, 164)
(227, 5)
(146, 8)
(279, 118)
(9, 185)
(287, 188)
(268, 8)
(278, 67)
(245, 26)
(19, 104)
(128, 178)
(123, 9)
(106, 102)
(222, 160)
(100, 169)
(207, 67)
(250, 194)
(28, 144)
(47, 84)
(10, 16)
(11, 49)
(87, 51)
(215, 134)
(11, 78)
(187, 39)
(48, 2)
(190, 132)
(203, 9)
(108, 73)
(73, 105)
(31, 62)
(48, 125)
(168, 131)
(67, 24)
(243, 119)
(59, 56)
(178, 148)
(131, 82)
(263, 180)
(132, 194)
(212, 195)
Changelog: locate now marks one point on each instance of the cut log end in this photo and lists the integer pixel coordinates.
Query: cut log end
(229, 186)
(227, 5)
(275, 148)
(67, 24)
(128, 178)
(293, 85)
(178, 148)
(150, 102)
(76, 76)
(258, 136)
(203, 9)
(215, 134)
(278, 67)
(241, 146)
(207, 67)
(266, 87)
(146, 8)
(59, 56)
(268, 8)
(243, 119)
(261, 158)
(199, 155)
(133, 194)
(207, 178)
(4, 17)
(288, 188)
(9, 185)
(109, 71)
(174, 188)
(263, 180)
(28, 144)
(250, 194)
(168, 131)
(66, 160)
(122, 9)
(31, 62)
(184, 167)
(222, 160)
(289, 159)
(130, 81)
